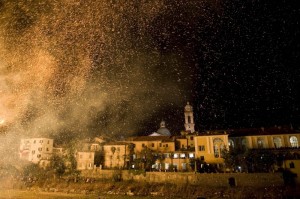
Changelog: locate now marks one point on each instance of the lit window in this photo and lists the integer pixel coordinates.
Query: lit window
(182, 155)
(175, 155)
(294, 141)
(191, 155)
(167, 166)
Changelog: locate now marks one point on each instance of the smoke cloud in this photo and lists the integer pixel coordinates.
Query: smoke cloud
(81, 68)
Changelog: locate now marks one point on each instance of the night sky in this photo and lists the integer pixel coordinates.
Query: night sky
(87, 68)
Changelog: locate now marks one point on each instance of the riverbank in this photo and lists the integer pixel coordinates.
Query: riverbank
(21, 194)
(112, 184)
(62, 188)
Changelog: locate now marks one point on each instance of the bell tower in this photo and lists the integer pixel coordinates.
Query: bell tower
(189, 118)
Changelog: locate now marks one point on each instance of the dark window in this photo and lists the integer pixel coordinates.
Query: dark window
(166, 145)
(292, 165)
(159, 144)
(191, 138)
(152, 144)
(202, 148)
(201, 157)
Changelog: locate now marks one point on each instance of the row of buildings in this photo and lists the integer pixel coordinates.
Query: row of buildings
(162, 150)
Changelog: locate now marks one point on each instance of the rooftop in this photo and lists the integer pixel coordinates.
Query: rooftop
(277, 130)
(152, 138)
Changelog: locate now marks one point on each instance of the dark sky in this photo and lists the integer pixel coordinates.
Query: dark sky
(242, 58)
(119, 68)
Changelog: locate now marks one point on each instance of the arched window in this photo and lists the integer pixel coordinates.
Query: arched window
(277, 142)
(231, 143)
(218, 147)
(189, 119)
(216, 151)
(260, 143)
(294, 141)
(244, 142)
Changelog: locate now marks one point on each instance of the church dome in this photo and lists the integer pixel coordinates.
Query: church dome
(163, 130)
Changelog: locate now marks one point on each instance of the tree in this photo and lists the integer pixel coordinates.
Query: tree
(113, 150)
(130, 147)
(32, 170)
(148, 158)
(58, 165)
(251, 160)
(260, 160)
(234, 157)
(195, 164)
(70, 158)
(99, 158)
